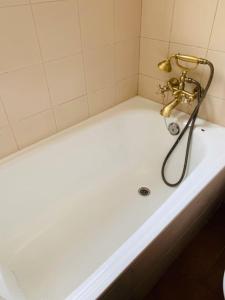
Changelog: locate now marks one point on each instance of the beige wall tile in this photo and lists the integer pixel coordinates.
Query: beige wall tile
(152, 52)
(58, 28)
(193, 22)
(12, 2)
(126, 88)
(217, 41)
(127, 58)
(3, 117)
(18, 42)
(71, 113)
(97, 22)
(217, 88)
(35, 128)
(157, 18)
(57, 50)
(101, 100)
(149, 88)
(128, 19)
(100, 67)
(7, 142)
(66, 78)
(24, 92)
(37, 32)
(213, 110)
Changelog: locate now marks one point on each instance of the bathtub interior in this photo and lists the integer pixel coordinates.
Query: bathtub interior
(70, 202)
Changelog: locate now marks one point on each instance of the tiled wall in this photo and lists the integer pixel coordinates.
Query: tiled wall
(63, 61)
(195, 27)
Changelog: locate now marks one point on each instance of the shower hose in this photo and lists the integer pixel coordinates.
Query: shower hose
(191, 122)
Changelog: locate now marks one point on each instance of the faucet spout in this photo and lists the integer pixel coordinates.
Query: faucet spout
(167, 109)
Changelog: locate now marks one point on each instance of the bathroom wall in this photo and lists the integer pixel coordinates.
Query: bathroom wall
(63, 61)
(195, 27)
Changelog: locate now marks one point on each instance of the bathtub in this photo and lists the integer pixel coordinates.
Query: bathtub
(72, 223)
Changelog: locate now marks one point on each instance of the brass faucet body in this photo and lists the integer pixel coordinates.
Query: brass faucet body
(180, 95)
(177, 86)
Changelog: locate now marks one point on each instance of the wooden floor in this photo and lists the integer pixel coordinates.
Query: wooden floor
(198, 273)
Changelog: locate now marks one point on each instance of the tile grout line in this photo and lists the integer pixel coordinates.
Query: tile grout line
(140, 37)
(28, 3)
(43, 66)
(83, 55)
(171, 26)
(49, 109)
(9, 124)
(213, 23)
(114, 54)
(39, 63)
(182, 44)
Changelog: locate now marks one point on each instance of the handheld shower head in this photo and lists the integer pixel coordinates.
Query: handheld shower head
(165, 65)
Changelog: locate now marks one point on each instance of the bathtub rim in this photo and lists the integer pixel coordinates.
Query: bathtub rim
(52, 138)
(66, 131)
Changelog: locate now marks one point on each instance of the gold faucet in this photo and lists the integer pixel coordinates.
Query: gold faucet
(177, 86)
(167, 109)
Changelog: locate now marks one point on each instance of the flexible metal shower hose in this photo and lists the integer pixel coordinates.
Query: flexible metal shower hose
(191, 123)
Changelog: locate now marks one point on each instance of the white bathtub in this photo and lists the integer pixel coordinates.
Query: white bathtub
(71, 218)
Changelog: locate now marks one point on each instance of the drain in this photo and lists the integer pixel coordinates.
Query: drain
(174, 128)
(144, 191)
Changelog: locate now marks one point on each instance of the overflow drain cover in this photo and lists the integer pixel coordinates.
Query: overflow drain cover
(174, 128)
(144, 191)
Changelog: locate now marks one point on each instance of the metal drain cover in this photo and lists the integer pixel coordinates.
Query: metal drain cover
(144, 191)
(174, 128)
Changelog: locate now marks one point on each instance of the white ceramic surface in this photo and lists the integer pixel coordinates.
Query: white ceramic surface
(71, 219)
